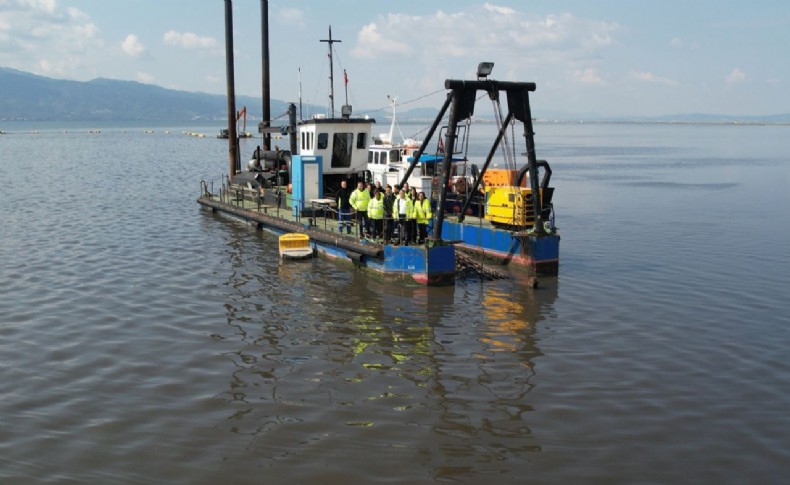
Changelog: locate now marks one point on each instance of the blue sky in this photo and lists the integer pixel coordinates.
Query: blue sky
(612, 58)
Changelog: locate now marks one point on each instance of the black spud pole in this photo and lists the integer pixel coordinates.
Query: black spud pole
(233, 139)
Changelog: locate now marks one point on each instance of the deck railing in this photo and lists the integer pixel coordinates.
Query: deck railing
(277, 202)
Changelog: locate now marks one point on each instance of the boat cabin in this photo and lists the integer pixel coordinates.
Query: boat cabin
(342, 142)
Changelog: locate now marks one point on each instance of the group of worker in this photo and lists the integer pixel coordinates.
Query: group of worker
(380, 211)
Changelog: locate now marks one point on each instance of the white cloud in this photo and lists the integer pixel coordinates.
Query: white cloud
(189, 40)
(519, 43)
(736, 77)
(132, 46)
(588, 76)
(676, 42)
(292, 16)
(45, 6)
(40, 37)
(497, 9)
(450, 43)
(372, 44)
(146, 78)
(649, 77)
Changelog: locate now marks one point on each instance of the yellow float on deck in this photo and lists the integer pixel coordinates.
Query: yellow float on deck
(295, 246)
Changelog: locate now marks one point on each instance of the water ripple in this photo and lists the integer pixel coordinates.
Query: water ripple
(145, 340)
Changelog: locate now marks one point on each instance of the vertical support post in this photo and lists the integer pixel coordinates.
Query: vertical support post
(452, 127)
(233, 139)
(292, 127)
(532, 162)
(265, 88)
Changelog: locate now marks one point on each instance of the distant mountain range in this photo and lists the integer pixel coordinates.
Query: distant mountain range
(25, 96)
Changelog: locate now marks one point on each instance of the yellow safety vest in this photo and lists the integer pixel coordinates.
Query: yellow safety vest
(360, 199)
(410, 212)
(423, 210)
(376, 209)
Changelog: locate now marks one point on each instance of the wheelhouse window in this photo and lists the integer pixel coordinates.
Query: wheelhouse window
(362, 140)
(308, 140)
(323, 141)
(341, 149)
(394, 156)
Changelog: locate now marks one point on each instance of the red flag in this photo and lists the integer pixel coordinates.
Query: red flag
(345, 76)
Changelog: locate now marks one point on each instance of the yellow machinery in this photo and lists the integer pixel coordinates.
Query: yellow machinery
(509, 203)
(501, 177)
(510, 206)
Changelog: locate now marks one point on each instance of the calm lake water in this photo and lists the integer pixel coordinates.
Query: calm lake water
(146, 340)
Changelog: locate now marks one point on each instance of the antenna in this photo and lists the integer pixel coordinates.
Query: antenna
(345, 80)
(331, 41)
(300, 94)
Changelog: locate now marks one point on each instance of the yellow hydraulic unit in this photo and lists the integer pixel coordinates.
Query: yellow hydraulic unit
(510, 206)
(501, 177)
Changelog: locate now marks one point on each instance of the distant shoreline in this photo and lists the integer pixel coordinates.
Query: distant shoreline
(27, 126)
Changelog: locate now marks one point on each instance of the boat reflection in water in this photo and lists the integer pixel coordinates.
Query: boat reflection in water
(511, 319)
(325, 359)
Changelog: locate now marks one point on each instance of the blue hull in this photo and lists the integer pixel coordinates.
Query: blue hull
(540, 254)
(426, 266)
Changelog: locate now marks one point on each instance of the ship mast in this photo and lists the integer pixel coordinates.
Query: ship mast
(331, 41)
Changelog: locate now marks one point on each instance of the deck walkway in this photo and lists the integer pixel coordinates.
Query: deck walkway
(322, 228)
(317, 215)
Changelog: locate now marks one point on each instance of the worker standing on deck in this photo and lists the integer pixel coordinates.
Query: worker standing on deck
(389, 219)
(423, 209)
(405, 209)
(344, 208)
(376, 214)
(411, 195)
(359, 200)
